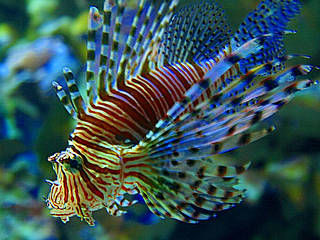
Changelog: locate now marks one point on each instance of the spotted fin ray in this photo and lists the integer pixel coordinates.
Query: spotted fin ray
(195, 133)
(180, 158)
(195, 33)
(269, 17)
(191, 190)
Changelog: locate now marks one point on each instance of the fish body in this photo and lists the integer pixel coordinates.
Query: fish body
(163, 101)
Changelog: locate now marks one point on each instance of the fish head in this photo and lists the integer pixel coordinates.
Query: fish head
(69, 194)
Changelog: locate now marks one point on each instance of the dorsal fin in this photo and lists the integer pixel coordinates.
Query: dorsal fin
(128, 36)
(195, 33)
(102, 85)
(129, 43)
(94, 23)
(270, 17)
(114, 54)
(147, 42)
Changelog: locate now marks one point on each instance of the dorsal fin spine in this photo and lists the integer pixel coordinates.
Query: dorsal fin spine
(76, 97)
(113, 62)
(129, 45)
(174, 44)
(183, 39)
(139, 41)
(142, 53)
(94, 23)
(153, 38)
(64, 99)
(103, 85)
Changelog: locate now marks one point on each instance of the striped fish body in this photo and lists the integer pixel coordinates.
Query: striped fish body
(103, 137)
(129, 112)
(163, 101)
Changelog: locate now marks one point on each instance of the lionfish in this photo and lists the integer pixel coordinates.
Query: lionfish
(163, 100)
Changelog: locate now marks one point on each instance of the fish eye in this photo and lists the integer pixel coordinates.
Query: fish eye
(74, 163)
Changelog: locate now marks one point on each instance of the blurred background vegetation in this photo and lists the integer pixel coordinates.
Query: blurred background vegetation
(39, 37)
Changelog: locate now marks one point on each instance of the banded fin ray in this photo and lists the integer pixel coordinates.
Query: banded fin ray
(94, 24)
(214, 130)
(220, 106)
(119, 43)
(210, 78)
(64, 99)
(170, 162)
(269, 17)
(125, 43)
(72, 101)
(195, 33)
(186, 196)
(234, 115)
(146, 59)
